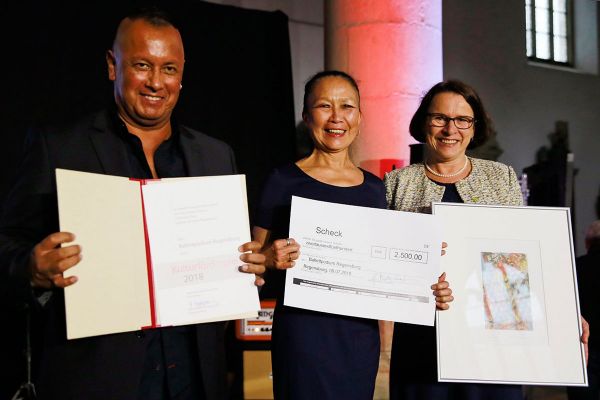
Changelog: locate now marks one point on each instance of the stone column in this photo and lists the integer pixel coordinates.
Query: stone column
(393, 48)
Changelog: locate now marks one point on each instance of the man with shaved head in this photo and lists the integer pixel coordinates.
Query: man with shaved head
(137, 138)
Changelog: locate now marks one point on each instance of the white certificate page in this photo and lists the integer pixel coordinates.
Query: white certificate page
(195, 226)
(364, 262)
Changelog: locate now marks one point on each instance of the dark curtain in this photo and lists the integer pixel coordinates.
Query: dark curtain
(237, 87)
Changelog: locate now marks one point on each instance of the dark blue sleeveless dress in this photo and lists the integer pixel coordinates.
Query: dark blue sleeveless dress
(318, 355)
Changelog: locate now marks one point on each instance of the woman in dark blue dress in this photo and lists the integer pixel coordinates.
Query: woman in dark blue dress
(318, 355)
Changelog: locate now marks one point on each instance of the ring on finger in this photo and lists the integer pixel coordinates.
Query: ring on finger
(288, 241)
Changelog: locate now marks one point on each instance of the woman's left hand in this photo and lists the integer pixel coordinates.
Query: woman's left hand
(254, 262)
(442, 293)
(585, 336)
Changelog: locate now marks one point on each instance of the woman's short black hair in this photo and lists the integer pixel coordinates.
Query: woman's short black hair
(483, 124)
(310, 84)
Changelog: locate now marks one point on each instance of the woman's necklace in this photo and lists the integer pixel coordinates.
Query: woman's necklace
(448, 175)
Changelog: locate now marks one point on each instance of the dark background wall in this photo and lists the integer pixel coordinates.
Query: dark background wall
(237, 86)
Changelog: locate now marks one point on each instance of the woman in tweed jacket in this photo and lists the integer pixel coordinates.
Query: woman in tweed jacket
(490, 182)
(450, 119)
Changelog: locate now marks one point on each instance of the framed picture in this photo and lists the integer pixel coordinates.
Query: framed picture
(515, 318)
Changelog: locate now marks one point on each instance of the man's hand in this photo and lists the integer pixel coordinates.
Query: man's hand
(254, 261)
(48, 261)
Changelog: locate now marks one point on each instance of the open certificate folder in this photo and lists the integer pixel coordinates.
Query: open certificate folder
(156, 252)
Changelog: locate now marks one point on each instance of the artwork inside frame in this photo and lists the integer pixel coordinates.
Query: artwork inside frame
(515, 318)
(506, 291)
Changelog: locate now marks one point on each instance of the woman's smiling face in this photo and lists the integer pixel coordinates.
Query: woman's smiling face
(447, 143)
(333, 114)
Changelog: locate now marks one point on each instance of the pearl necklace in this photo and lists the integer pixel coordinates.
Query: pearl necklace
(447, 175)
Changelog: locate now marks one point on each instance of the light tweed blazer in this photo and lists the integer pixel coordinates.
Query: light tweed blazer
(490, 182)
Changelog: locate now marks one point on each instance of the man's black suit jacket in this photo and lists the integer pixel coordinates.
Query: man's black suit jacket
(110, 366)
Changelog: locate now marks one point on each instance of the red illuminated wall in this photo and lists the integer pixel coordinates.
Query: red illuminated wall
(393, 48)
